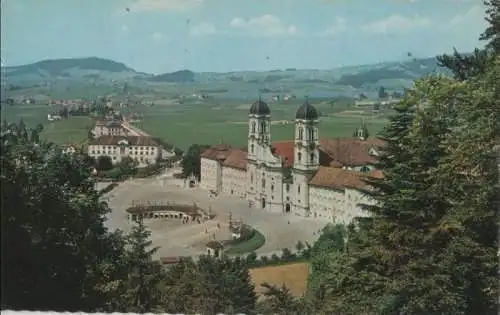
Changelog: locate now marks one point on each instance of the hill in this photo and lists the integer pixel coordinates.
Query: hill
(345, 81)
(182, 76)
(91, 68)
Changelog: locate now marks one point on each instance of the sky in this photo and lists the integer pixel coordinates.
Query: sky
(157, 36)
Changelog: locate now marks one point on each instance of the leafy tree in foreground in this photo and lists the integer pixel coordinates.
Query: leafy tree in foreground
(53, 238)
(469, 175)
(431, 243)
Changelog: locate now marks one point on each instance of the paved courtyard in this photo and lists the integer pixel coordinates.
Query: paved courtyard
(176, 239)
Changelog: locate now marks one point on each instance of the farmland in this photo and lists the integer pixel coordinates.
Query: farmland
(294, 276)
(206, 122)
(74, 130)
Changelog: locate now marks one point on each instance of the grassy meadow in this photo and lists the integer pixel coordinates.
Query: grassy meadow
(74, 130)
(206, 122)
(185, 124)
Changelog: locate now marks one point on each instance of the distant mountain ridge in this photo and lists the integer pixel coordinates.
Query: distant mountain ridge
(99, 69)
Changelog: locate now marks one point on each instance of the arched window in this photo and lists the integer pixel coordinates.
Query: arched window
(263, 127)
(365, 169)
(251, 178)
(252, 148)
(263, 183)
(312, 157)
(299, 156)
(311, 134)
(253, 126)
(298, 189)
(301, 133)
(272, 187)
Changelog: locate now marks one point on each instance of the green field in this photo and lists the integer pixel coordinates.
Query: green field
(208, 122)
(184, 124)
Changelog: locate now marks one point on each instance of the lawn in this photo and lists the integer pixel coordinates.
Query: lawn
(252, 244)
(294, 276)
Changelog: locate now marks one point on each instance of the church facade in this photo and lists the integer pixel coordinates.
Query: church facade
(305, 176)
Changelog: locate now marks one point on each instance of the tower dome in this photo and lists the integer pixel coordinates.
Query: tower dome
(307, 112)
(260, 108)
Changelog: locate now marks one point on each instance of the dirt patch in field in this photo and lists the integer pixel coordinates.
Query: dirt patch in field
(293, 276)
(244, 106)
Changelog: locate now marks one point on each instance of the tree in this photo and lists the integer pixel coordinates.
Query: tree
(127, 166)
(492, 32)
(467, 66)
(53, 239)
(144, 276)
(191, 160)
(104, 163)
(279, 300)
(382, 94)
(429, 246)
(470, 181)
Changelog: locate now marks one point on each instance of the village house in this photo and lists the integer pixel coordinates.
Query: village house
(69, 148)
(142, 149)
(109, 128)
(306, 176)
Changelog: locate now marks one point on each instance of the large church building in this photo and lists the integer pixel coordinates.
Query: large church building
(306, 176)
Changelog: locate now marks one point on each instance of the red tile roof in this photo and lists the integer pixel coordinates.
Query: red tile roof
(336, 178)
(350, 151)
(218, 152)
(236, 159)
(284, 149)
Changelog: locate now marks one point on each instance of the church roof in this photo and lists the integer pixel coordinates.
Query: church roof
(217, 152)
(230, 157)
(337, 178)
(260, 108)
(284, 149)
(237, 158)
(350, 151)
(307, 112)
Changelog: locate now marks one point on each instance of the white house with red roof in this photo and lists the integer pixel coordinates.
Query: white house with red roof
(306, 176)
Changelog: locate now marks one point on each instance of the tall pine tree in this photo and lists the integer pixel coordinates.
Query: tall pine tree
(145, 275)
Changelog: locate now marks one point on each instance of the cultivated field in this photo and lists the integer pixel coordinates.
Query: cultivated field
(205, 123)
(202, 122)
(293, 276)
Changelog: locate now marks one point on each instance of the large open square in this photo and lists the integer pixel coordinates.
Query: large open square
(176, 239)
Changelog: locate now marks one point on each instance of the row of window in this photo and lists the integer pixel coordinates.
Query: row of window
(136, 148)
(109, 152)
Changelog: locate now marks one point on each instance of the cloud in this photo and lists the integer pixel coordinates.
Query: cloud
(338, 26)
(202, 29)
(158, 38)
(474, 16)
(265, 25)
(396, 23)
(163, 5)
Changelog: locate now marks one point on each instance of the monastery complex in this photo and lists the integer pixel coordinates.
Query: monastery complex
(306, 176)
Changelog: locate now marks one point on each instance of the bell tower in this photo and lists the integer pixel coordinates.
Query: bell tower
(306, 156)
(306, 139)
(259, 130)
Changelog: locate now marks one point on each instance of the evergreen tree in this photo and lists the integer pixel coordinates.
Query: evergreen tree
(143, 294)
(469, 180)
